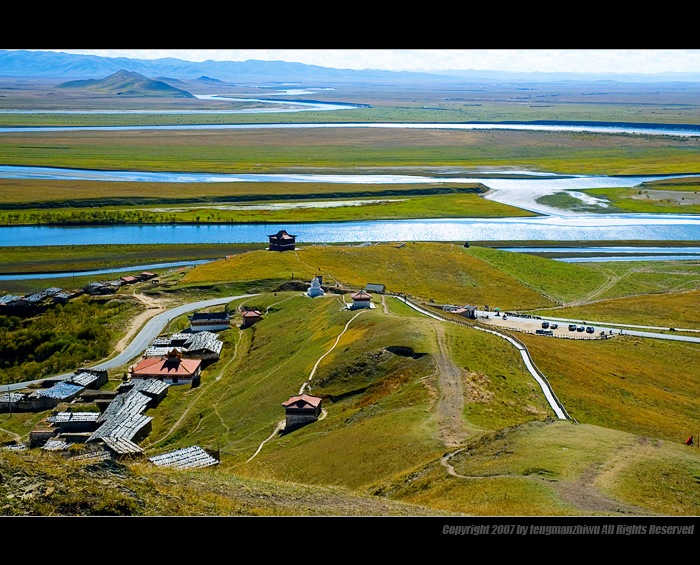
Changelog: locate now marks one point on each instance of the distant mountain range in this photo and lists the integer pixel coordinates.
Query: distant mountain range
(63, 66)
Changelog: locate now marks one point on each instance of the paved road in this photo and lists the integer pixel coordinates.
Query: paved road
(142, 340)
(610, 328)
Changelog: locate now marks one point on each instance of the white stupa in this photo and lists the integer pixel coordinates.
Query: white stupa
(315, 288)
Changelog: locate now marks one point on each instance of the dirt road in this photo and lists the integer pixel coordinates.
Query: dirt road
(154, 306)
(451, 427)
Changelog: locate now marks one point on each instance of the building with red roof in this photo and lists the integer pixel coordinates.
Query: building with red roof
(361, 299)
(301, 409)
(170, 368)
(250, 317)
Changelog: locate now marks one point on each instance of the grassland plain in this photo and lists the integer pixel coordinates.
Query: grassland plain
(343, 149)
(331, 150)
(675, 103)
(378, 450)
(378, 447)
(330, 203)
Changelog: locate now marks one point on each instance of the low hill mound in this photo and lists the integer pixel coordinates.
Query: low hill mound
(445, 273)
(126, 83)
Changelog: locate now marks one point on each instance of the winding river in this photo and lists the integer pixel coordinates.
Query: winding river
(552, 224)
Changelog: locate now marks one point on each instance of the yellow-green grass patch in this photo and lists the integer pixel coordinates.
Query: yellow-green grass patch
(443, 272)
(663, 478)
(642, 386)
(671, 310)
(559, 280)
(267, 150)
(498, 390)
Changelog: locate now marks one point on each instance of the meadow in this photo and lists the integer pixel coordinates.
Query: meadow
(389, 443)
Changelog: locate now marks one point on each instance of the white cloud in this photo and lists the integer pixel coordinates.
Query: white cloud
(527, 60)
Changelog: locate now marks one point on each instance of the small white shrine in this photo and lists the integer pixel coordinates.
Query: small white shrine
(315, 288)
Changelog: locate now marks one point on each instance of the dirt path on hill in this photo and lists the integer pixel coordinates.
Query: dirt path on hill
(613, 279)
(282, 423)
(585, 495)
(154, 306)
(451, 426)
(582, 492)
(16, 436)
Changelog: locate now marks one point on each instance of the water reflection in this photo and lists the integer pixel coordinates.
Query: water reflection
(630, 227)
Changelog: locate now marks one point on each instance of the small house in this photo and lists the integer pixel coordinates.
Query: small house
(375, 287)
(302, 409)
(210, 321)
(170, 368)
(282, 241)
(361, 299)
(466, 312)
(74, 422)
(250, 317)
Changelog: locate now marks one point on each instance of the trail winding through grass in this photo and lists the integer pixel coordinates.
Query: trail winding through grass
(281, 424)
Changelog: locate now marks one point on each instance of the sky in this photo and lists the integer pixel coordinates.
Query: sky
(523, 60)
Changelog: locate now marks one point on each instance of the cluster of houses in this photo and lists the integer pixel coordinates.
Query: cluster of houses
(110, 287)
(110, 424)
(35, 302)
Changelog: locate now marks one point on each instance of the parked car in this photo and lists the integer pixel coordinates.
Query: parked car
(572, 327)
(590, 329)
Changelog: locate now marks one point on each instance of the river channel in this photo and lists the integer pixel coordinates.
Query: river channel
(551, 225)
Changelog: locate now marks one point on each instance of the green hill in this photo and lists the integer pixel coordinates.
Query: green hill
(420, 417)
(443, 272)
(126, 83)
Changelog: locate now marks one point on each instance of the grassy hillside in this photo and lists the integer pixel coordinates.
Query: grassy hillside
(669, 310)
(561, 469)
(639, 385)
(421, 417)
(446, 273)
(562, 282)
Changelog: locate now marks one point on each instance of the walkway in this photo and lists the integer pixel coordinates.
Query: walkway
(281, 424)
(524, 353)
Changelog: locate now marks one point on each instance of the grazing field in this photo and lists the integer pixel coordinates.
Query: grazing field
(658, 197)
(352, 149)
(67, 258)
(73, 203)
(420, 417)
(675, 309)
(387, 423)
(639, 385)
(438, 271)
